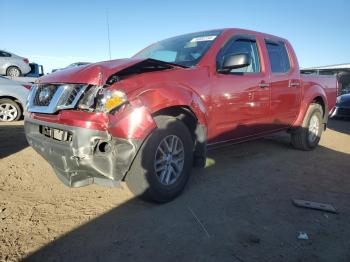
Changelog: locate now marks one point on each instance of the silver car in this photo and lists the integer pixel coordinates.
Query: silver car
(13, 97)
(13, 65)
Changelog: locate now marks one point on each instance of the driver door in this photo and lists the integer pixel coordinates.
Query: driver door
(240, 97)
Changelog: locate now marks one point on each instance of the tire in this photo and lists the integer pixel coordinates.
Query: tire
(13, 71)
(143, 179)
(9, 110)
(308, 135)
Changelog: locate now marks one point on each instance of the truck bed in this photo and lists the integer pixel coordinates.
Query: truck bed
(328, 83)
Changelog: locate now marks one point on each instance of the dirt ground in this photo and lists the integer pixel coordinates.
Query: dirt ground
(237, 209)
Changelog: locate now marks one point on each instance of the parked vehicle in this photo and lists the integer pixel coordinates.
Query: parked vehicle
(13, 65)
(13, 96)
(35, 70)
(146, 120)
(71, 66)
(342, 108)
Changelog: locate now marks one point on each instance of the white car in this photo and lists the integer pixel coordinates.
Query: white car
(13, 65)
(13, 97)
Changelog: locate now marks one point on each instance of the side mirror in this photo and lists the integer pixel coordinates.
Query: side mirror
(235, 61)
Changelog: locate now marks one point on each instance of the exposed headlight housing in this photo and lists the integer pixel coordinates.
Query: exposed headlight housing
(98, 99)
(88, 101)
(110, 99)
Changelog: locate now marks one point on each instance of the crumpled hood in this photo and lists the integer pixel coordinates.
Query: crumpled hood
(94, 74)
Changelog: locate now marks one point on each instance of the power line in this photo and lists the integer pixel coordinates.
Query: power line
(109, 40)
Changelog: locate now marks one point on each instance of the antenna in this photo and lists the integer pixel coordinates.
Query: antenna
(109, 40)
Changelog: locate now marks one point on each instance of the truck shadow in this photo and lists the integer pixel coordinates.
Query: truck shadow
(238, 208)
(12, 139)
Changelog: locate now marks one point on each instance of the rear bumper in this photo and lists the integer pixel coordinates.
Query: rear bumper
(80, 161)
(25, 69)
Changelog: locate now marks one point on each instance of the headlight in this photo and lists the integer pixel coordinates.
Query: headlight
(100, 100)
(89, 99)
(110, 99)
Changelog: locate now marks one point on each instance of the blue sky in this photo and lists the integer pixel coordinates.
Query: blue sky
(56, 33)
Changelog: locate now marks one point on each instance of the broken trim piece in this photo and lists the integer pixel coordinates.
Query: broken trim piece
(145, 66)
(314, 205)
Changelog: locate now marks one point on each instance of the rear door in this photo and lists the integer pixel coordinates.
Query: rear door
(241, 97)
(284, 83)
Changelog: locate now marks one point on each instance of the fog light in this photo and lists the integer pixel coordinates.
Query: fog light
(104, 147)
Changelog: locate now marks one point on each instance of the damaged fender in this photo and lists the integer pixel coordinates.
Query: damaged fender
(90, 155)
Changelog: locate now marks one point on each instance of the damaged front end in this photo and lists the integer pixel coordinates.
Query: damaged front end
(82, 156)
(89, 132)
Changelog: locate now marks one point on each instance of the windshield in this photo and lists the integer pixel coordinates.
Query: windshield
(185, 50)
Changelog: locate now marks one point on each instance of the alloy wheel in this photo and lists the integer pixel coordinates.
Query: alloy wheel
(314, 127)
(8, 112)
(13, 72)
(169, 160)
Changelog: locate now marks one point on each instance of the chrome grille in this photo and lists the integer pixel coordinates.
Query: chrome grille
(50, 98)
(75, 91)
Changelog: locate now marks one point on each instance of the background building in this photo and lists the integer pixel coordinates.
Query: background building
(342, 72)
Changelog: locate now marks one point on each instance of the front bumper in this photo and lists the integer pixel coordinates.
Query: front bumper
(80, 161)
(340, 111)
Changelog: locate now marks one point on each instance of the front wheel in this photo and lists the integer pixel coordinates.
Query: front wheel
(9, 110)
(309, 134)
(163, 164)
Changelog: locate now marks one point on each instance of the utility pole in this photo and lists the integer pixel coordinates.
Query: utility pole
(109, 40)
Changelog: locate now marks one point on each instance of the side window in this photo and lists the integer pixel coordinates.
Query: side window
(278, 56)
(239, 46)
(4, 54)
(164, 55)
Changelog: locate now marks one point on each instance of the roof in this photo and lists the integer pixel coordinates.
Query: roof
(339, 66)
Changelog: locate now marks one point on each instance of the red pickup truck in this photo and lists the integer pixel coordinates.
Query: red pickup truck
(148, 119)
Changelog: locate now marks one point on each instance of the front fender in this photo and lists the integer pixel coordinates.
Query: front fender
(160, 97)
(135, 122)
(310, 94)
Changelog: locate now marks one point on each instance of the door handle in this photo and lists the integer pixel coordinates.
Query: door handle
(264, 85)
(293, 84)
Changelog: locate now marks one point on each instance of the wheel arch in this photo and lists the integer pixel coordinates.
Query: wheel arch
(184, 104)
(313, 94)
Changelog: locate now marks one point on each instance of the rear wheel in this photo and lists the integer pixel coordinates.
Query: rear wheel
(13, 71)
(163, 164)
(309, 134)
(9, 110)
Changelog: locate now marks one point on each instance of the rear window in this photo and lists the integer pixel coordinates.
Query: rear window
(278, 55)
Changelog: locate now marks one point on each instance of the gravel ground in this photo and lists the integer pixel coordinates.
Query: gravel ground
(237, 209)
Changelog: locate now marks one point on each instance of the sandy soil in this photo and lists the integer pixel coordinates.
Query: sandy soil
(237, 209)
